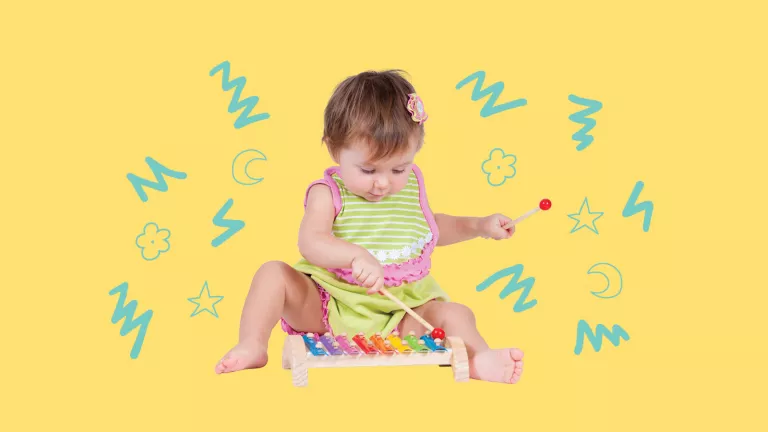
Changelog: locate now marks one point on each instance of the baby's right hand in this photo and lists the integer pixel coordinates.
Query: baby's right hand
(368, 271)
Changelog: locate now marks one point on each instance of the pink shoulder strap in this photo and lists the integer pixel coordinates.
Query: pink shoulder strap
(425, 203)
(328, 181)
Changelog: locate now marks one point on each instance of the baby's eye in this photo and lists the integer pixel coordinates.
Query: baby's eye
(398, 171)
(367, 171)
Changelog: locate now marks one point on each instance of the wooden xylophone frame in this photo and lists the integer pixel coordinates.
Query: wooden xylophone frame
(299, 359)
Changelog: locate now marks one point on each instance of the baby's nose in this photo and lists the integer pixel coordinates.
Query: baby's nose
(381, 182)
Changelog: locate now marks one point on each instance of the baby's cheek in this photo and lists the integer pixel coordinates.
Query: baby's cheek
(358, 185)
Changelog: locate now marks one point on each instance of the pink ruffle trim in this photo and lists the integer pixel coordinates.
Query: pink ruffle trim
(396, 274)
(324, 297)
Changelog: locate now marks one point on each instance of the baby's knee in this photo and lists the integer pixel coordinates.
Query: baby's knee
(273, 269)
(450, 310)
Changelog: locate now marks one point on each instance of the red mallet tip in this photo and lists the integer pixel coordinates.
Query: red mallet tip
(438, 333)
(545, 204)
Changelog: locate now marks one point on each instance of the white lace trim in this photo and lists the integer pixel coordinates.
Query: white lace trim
(404, 252)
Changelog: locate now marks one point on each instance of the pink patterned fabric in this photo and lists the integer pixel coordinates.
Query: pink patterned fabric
(324, 297)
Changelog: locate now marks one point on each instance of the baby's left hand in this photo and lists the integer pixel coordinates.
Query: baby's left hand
(495, 227)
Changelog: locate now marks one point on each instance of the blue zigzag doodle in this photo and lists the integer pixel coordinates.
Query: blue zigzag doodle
(580, 117)
(596, 339)
(158, 170)
(236, 104)
(494, 90)
(633, 207)
(127, 311)
(513, 285)
(232, 225)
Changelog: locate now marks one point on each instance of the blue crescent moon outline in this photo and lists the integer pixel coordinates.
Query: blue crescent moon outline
(608, 279)
(255, 180)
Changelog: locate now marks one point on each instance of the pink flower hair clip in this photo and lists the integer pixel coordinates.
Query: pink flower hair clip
(416, 108)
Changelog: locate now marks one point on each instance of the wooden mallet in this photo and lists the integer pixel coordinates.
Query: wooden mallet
(545, 205)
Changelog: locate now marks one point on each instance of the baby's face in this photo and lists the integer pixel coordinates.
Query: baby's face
(373, 180)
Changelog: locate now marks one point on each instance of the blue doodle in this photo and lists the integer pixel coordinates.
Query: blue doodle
(158, 171)
(596, 339)
(209, 300)
(500, 166)
(580, 117)
(254, 180)
(233, 226)
(127, 311)
(513, 285)
(633, 207)
(494, 90)
(578, 218)
(599, 269)
(236, 104)
(153, 241)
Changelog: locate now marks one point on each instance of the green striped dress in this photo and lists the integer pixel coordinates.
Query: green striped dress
(400, 231)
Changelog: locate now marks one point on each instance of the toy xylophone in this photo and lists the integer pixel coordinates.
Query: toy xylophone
(302, 352)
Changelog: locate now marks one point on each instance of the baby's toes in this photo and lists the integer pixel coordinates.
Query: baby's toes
(226, 363)
(517, 372)
(515, 354)
(230, 363)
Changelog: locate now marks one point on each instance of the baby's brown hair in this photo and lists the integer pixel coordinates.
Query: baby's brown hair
(372, 107)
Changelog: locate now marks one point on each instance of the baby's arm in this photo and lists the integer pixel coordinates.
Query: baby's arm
(317, 244)
(456, 229)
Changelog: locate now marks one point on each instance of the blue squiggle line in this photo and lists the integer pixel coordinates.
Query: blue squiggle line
(633, 207)
(596, 339)
(233, 226)
(236, 104)
(127, 311)
(494, 90)
(513, 285)
(158, 170)
(580, 117)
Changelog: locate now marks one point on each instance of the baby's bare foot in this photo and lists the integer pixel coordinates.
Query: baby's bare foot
(497, 365)
(243, 356)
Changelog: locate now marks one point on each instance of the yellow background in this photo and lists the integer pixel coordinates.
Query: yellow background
(89, 90)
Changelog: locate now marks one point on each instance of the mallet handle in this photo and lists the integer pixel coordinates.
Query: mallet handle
(406, 308)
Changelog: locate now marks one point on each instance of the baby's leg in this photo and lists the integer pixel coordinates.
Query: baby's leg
(277, 290)
(498, 365)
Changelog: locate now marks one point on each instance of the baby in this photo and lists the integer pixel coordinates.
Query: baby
(368, 224)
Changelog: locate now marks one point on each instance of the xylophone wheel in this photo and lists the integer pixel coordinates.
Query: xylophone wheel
(295, 359)
(459, 359)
